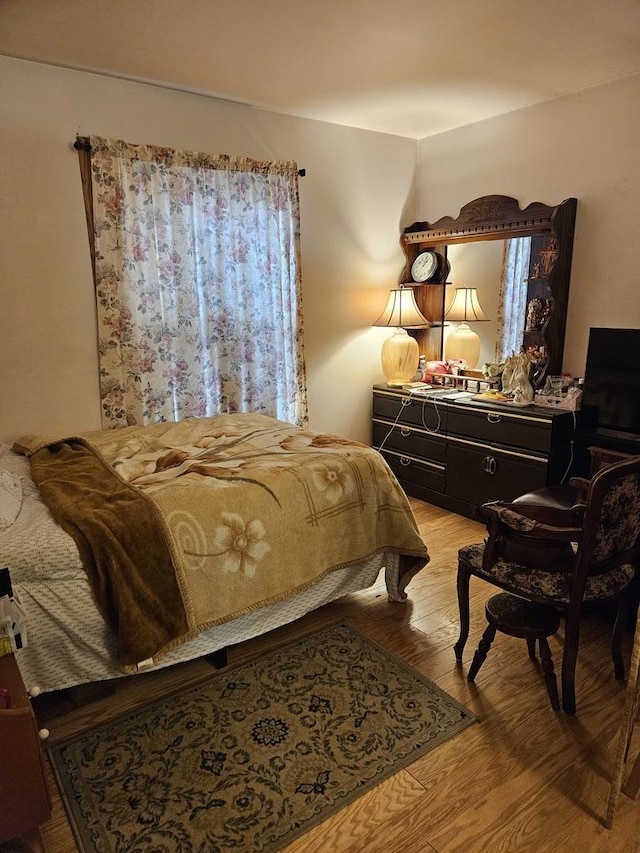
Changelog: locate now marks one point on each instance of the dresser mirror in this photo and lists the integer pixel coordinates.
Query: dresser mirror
(497, 219)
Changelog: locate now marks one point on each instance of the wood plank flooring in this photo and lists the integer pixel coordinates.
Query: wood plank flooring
(524, 779)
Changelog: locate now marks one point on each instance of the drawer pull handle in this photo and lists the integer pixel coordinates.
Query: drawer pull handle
(404, 432)
(489, 465)
(404, 461)
(494, 418)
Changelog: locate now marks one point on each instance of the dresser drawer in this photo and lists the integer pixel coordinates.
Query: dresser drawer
(416, 471)
(459, 453)
(479, 474)
(427, 414)
(496, 427)
(408, 440)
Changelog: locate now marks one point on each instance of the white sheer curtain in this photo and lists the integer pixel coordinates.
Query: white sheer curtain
(512, 302)
(197, 285)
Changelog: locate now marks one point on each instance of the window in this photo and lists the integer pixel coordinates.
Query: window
(197, 277)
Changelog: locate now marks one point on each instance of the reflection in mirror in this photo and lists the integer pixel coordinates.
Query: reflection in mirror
(478, 265)
(512, 290)
(475, 249)
(512, 299)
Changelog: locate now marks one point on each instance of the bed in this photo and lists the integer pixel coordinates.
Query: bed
(137, 548)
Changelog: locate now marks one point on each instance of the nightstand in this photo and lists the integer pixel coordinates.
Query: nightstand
(24, 797)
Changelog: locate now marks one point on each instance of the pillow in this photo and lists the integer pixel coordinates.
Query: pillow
(18, 465)
(10, 498)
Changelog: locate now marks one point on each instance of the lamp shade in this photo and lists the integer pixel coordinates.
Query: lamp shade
(464, 343)
(401, 311)
(400, 353)
(465, 306)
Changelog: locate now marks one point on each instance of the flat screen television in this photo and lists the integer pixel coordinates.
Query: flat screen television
(611, 393)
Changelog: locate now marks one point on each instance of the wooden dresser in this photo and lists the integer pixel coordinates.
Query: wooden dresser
(459, 453)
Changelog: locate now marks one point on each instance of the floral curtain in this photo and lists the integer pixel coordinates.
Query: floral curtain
(512, 302)
(197, 285)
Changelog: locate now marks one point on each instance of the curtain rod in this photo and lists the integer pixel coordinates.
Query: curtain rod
(82, 143)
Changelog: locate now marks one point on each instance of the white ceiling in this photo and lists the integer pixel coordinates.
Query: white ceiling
(410, 67)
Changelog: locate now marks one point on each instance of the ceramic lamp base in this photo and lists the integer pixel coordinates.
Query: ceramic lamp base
(463, 344)
(399, 358)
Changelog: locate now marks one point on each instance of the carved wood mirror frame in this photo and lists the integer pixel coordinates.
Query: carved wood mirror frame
(498, 217)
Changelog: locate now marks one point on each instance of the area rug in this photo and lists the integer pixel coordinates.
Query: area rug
(257, 755)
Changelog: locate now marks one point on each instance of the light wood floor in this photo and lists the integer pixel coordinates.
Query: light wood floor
(524, 778)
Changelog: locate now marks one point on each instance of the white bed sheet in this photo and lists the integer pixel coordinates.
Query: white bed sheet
(68, 642)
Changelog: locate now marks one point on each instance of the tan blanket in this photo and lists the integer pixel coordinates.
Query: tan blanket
(183, 526)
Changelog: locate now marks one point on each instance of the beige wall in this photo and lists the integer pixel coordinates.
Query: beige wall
(584, 145)
(356, 193)
(355, 199)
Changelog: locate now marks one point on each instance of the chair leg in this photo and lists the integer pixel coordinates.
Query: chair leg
(569, 660)
(616, 637)
(549, 675)
(481, 654)
(531, 645)
(463, 606)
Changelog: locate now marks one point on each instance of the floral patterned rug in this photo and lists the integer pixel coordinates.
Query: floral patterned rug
(257, 755)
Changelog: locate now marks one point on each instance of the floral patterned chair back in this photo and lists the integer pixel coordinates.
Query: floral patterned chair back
(618, 527)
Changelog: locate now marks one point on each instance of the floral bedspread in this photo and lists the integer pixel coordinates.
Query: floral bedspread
(183, 526)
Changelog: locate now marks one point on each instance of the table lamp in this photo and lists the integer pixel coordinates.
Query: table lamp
(464, 343)
(399, 356)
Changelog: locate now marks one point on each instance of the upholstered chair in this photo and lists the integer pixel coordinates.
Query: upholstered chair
(589, 555)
